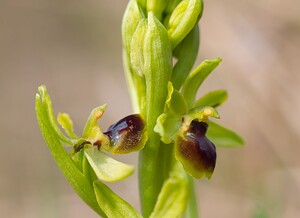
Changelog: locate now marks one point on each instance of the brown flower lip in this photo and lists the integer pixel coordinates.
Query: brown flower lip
(196, 152)
(126, 135)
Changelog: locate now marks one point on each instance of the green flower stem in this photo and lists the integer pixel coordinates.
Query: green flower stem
(157, 71)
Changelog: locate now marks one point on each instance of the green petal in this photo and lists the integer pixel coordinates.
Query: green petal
(112, 205)
(196, 78)
(213, 99)
(223, 137)
(67, 124)
(105, 167)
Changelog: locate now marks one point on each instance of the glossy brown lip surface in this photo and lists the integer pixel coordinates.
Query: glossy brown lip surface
(126, 134)
(196, 152)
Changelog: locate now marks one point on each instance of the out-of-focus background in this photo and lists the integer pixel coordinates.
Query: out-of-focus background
(74, 47)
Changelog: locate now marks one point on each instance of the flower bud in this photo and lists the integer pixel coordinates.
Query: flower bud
(183, 19)
(196, 152)
(127, 135)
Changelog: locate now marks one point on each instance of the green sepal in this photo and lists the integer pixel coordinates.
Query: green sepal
(186, 53)
(213, 99)
(183, 19)
(76, 179)
(47, 104)
(106, 168)
(66, 123)
(92, 132)
(167, 126)
(112, 204)
(173, 196)
(223, 137)
(196, 78)
(175, 102)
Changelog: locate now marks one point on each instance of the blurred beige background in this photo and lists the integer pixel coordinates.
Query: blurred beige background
(74, 47)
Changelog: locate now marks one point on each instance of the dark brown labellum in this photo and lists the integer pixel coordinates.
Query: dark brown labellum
(126, 135)
(196, 152)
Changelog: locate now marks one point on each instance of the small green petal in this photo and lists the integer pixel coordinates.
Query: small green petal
(92, 131)
(106, 168)
(66, 123)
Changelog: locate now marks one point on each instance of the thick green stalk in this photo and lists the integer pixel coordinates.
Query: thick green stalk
(157, 70)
